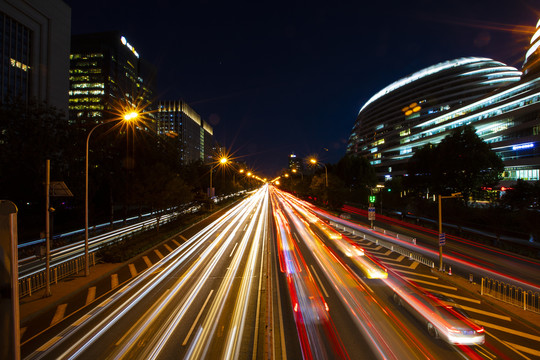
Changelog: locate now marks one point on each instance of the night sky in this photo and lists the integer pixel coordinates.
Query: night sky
(281, 77)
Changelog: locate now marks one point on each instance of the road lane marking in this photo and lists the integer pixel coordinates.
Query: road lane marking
(508, 345)
(245, 227)
(417, 274)
(182, 237)
(158, 253)
(114, 281)
(520, 349)
(431, 283)
(414, 265)
(394, 265)
(320, 282)
(91, 295)
(507, 330)
(457, 296)
(81, 320)
(147, 261)
(232, 252)
(132, 270)
(487, 313)
(49, 343)
(105, 302)
(378, 248)
(197, 318)
(59, 314)
(387, 253)
(168, 248)
(176, 242)
(400, 258)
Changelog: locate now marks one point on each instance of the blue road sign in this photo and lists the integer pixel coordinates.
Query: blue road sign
(442, 239)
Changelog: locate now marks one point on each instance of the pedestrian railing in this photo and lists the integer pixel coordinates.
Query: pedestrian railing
(511, 294)
(388, 244)
(34, 282)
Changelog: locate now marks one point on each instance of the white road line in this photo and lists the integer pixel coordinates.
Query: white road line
(232, 252)
(132, 270)
(417, 274)
(147, 261)
(197, 319)
(59, 314)
(49, 343)
(91, 295)
(114, 281)
(457, 297)
(507, 330)
(487, 313)
(432, 283)
(81, 320)
(320, 282)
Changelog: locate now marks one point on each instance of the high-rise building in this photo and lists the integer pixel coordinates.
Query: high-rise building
(295, 162)
(196, 136)
(501, 104)
(107, 74)
(34, 51)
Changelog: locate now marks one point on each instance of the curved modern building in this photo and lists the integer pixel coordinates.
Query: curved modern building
(496, 99)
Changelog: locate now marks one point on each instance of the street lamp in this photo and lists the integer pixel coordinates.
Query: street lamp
(222, 161)
(315, 162)
(442, 238)
(127, 117)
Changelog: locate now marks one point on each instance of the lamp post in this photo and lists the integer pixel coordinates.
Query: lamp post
(442, 239)
(315, 162)
(222, 161)
(130, 116)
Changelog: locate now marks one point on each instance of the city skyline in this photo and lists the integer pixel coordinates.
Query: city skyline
(272, 81)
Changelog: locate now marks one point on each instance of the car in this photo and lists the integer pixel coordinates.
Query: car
(441, 316)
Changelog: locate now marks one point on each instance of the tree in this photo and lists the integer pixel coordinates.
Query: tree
(461, 162)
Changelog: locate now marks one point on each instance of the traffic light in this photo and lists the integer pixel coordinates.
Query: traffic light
(371, 198)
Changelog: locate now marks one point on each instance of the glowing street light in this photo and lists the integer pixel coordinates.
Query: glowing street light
(316, 162)
(127, 117)
(222, 161)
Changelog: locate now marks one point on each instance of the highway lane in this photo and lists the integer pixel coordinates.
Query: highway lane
(200, 302)
(381, 293)
(463, 255)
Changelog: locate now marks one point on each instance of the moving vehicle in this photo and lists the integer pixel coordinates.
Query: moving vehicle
(441, 315)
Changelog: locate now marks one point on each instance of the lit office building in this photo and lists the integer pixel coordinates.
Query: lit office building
(106, 73)
(196, 137)
(34, 51)
(295, 162)
(502, 105)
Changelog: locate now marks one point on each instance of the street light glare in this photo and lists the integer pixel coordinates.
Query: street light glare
(131, 115)
(223, 160)
(313, 161)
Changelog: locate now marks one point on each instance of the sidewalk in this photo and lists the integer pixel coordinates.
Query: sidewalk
(31, 306)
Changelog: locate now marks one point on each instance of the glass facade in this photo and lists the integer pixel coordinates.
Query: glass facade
(502, 105)
(177, 119)
(105, 74)
(15, 59)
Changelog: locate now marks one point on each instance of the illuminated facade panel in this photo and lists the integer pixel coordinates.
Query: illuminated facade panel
(34, 51)
(502, 105)
(105, 71)
(177, 119)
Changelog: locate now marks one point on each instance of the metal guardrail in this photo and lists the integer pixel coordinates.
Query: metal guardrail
(389, 245)
(511, 294)
(35, 282)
